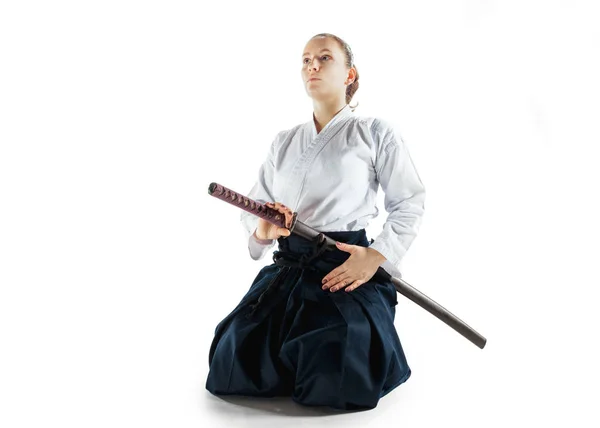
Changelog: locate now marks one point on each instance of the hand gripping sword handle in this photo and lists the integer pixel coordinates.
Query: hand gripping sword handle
(246, 204)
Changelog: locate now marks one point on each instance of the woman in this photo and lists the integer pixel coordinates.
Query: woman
(319, 326)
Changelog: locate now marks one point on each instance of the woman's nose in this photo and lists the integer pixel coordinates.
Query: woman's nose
(312, 65)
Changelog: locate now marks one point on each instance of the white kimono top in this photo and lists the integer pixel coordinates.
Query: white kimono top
(331, 179)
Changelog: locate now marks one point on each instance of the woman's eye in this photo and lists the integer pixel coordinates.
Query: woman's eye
(306, 59)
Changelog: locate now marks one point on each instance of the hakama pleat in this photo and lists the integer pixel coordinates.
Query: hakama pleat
(289, 337)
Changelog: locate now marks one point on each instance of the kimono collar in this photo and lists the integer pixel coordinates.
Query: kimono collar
(342, 114)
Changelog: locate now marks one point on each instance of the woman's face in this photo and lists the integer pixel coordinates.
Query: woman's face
(323, 59)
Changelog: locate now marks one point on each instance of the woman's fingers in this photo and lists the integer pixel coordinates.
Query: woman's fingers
(289, 215)
(288, 218)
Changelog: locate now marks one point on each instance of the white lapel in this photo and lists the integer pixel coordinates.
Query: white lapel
(318, 141)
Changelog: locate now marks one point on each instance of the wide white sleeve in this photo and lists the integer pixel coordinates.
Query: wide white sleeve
(260, 192)
(404, 197)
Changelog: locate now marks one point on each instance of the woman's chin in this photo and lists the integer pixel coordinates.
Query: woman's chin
(317, 95)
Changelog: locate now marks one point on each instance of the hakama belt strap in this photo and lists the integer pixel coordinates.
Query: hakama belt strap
(289, 261)
(292, 259)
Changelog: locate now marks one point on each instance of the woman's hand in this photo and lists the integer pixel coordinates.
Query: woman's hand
(358, 269)
(267, 230)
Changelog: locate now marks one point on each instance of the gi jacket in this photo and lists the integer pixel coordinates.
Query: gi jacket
(331, 179)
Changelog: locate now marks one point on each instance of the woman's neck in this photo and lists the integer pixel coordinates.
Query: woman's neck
(323, 113)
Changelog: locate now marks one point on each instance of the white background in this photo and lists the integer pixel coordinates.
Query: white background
(116, 265)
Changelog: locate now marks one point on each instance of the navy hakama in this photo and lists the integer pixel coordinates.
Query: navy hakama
(289, 337)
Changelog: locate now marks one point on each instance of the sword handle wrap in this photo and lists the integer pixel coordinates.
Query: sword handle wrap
(253, 207)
